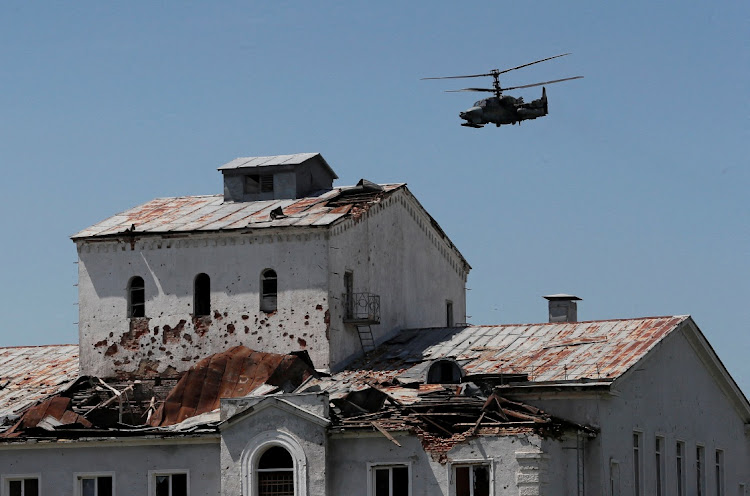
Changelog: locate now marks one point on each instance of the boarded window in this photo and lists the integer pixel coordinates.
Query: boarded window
(171, 484)
(472, 480)
(136, 297)
(268, 290)
(23, 487)
(95, 486)
(276, 473)
(391, 481)
(202, 295)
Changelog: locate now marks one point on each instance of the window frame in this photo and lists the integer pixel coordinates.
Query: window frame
(638, 472)
(450, 320)
(255, 448)
(152, 474)
(680, 465)
(660, 464)
(266, 297)
(614, 477)
(8, 478)
(700, 470)
(131, 305)
(458, 463)
(372, 466)
(78, 476)
(720, 472)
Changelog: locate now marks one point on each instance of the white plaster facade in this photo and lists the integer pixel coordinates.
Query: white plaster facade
(393, 250)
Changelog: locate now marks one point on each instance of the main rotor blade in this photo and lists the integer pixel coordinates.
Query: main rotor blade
(458, 77)
(541, 84)
(532, 63)
(488, 90)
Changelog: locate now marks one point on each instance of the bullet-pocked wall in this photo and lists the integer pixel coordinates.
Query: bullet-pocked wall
(170, 337)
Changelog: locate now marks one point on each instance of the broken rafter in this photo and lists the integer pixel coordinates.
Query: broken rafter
(385, 433)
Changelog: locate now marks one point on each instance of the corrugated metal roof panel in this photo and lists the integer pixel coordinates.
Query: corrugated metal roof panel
(29, 374)
(204, 213)
(546, 352)
(293, 159)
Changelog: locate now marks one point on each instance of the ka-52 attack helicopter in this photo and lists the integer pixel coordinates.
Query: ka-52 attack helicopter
(499, 109)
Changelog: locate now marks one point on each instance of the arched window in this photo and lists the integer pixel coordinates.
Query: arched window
(444, 372)
(268, 288)
(275, 473)
(136, 297)
(202, 295)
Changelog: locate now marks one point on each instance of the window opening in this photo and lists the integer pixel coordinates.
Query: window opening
(349, 294)
(258, 183)
(95, 486)
(202, 295)
(680, 458)
(719, 473)
(449, 314)
(391, 481)
(268, 290)
(136, 297)
(276, 473)
(614, 478)
(171, 484)
(659, 460)
(23, 487)
(444, 372)
(473, 480)
(637, 464)
(700, 476)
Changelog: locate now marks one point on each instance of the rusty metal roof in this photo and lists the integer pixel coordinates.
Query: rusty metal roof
(29, 374)
(212, 213)
(572, 351)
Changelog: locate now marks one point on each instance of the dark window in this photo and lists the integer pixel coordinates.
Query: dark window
(171, 485)
(136, 297)
(276, 473)
(258, 183)
(268, 290)
(719, 473)
(473, 480)
(348, 294)
(700, 464)
(391, 481)
(23, 487)
(680, 450)
(449, 314)
(96, 486)
(444, 372)
(202, 295)
(637, 464)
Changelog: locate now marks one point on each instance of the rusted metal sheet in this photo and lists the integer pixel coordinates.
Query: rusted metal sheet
(29, 374)
(233, 373)
(570, 351)
(212, 213)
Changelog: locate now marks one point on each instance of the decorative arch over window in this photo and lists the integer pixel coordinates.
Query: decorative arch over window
(268, 290)
(202, 295)
(273, 463)
(444, 372)
(136, 297)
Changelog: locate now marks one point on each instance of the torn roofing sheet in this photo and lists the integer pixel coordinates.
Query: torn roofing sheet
(29, 374)
(570, 351)
(212, 213)
(230, 374)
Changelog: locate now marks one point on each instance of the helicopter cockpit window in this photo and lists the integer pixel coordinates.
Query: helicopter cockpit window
(479, 103)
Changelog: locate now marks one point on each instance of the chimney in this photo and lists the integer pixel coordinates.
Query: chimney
(562, 308)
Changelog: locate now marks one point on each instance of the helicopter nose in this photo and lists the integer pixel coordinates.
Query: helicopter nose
(468, 114)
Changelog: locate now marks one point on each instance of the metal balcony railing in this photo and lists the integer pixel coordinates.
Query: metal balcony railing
(361, 308)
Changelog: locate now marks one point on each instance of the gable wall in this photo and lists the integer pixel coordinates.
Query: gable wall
(395, 252)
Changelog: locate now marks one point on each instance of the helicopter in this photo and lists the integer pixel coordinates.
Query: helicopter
(504, 109)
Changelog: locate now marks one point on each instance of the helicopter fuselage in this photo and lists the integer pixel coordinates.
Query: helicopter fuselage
(503, 110)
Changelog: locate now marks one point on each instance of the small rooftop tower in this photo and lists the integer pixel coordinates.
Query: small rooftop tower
(563, 308)
(277, 177)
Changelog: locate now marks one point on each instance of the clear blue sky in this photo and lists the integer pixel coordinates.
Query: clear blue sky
(632, 193)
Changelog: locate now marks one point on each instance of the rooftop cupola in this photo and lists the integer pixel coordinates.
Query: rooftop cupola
(563, 307)
(276, 177)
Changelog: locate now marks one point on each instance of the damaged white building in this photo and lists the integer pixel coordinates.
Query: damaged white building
(291, 337)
